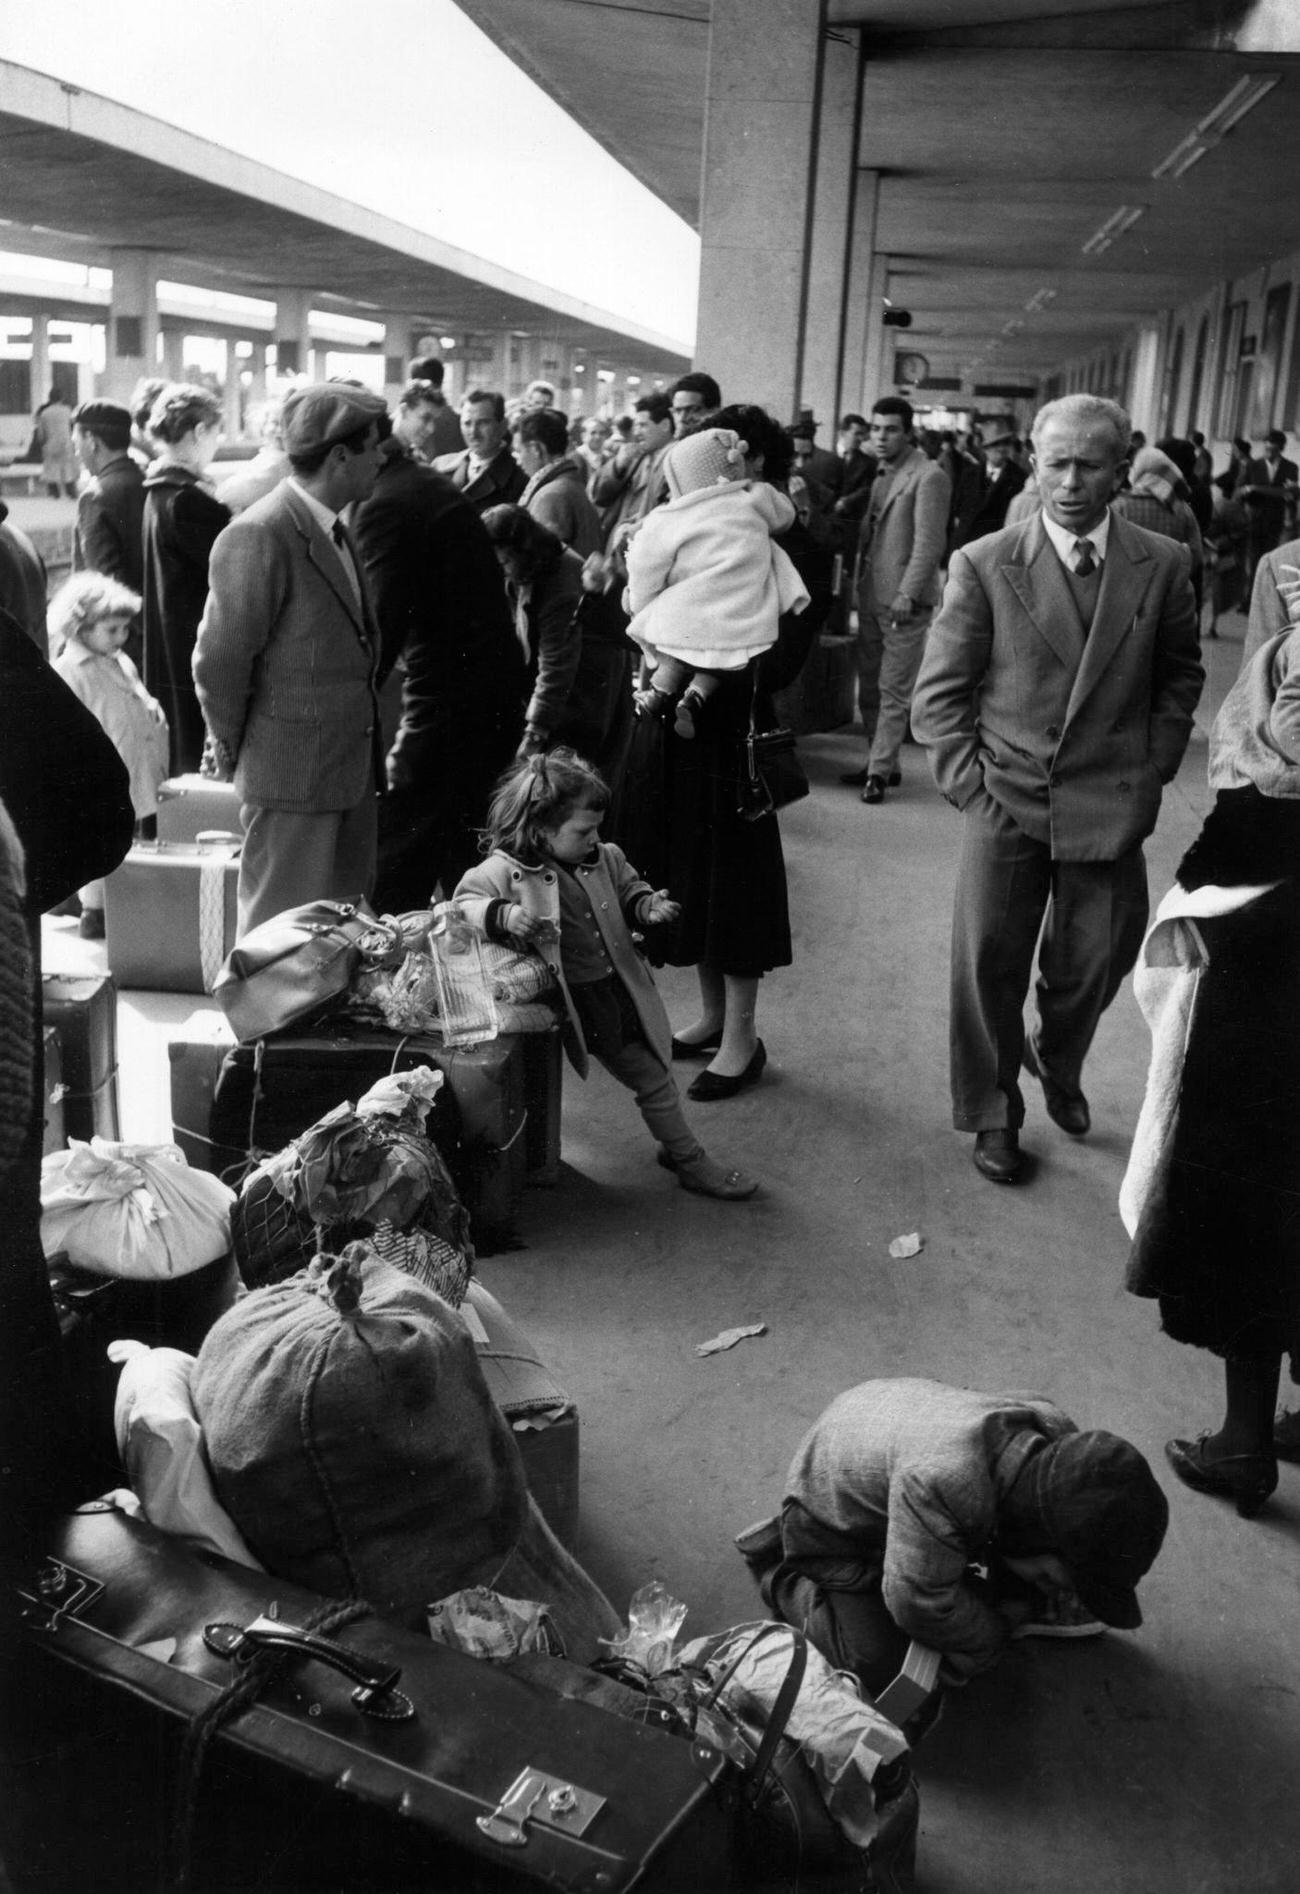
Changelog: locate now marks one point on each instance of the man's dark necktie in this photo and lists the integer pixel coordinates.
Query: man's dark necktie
(1085, 563)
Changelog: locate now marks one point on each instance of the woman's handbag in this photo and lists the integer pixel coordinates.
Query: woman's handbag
(771, 775)
(298, 965)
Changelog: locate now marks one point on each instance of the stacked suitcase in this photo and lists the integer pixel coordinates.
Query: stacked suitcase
(170, 908)
(494, 1120)
(82, 1010)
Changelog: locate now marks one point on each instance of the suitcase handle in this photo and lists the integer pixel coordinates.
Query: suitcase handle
(376, 1693)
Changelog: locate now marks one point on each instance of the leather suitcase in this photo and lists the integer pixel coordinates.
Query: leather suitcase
(189, 806)
(83, 1008)
(498, 1779)
(170, 915)
(543, 1094)
(56, 1134)
(228, 1099)
(542, 1418)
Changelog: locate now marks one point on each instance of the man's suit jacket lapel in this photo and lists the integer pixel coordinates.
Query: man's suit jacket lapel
(325, 556)
(905, 477)
(1037, 578)
(1125, 575)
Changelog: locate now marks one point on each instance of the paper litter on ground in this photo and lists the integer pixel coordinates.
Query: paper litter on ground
(729, 1337)
(907, 1245)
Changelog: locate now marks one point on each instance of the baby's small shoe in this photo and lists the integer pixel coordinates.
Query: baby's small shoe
(707, 1178)
(651, 702)
(91, 926)
(688, 709)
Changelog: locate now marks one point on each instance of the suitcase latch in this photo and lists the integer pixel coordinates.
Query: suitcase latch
(534, 1796)
(59, 1591)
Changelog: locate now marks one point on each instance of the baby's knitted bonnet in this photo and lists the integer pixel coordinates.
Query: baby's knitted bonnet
(711, 458)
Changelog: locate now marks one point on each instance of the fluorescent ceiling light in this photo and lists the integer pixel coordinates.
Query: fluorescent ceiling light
(1115, 225)
(1040, 299)
(1231, 109)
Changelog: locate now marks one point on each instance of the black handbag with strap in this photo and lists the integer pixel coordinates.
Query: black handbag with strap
(771, 775)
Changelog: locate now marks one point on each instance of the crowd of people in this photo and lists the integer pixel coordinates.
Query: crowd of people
(437, 653)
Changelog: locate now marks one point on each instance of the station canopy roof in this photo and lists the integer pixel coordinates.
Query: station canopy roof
(83, 176)
(1006, 133)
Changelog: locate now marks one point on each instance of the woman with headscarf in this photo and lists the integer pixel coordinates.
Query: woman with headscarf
(1157, 498)
(1210, 1194)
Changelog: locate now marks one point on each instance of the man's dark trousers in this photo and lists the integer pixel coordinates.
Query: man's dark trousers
(1093, 916)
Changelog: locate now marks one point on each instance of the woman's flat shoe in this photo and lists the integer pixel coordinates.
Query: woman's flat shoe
(696, 1048)
(711, 1086)
(1247, 1478)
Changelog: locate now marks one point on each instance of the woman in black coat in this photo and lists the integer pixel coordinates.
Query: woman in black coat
(1217, 1238)
(182, 518)
(680, 819)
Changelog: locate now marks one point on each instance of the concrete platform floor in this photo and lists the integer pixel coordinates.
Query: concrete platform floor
(1166, 1761)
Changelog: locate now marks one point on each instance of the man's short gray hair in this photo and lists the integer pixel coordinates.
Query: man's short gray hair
(1087, 410)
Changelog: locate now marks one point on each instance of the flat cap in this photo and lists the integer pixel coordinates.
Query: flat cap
(324, 412)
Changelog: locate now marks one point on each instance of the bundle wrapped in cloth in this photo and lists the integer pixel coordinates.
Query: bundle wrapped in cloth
(354, 1443)
(455, 984)
(132, 1210)
(364, 1170)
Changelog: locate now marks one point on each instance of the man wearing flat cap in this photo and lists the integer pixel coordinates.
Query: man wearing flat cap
(1002, 480)
(285, 660)
(958, 1520)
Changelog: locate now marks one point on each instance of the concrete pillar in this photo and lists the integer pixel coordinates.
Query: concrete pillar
(1146, 378)
(173, 355)
(878, 358)
(862, 263)
(397, 355)
(759, 172)
(826, 317)
(293, 333)
(40, 385)
(132, 322)
(234, 420)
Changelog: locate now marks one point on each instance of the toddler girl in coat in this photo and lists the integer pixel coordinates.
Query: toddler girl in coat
(90, 618)
(552, 887)
(705, 584)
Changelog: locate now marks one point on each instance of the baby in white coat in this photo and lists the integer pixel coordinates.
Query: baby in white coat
(706, 586)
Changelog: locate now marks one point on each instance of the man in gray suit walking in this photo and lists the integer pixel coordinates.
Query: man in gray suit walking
(899, 551)
(284, 664)
(1056, 701)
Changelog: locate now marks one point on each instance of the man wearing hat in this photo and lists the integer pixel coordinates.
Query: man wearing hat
(284, 664)
(1002, 480)
(960, 1520)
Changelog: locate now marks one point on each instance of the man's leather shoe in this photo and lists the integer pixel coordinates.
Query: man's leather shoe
(1067, 1109)
(857, 779)
(998, 1155)
(875, 789)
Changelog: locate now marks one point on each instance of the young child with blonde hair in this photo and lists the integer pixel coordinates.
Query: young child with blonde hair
(89, 619)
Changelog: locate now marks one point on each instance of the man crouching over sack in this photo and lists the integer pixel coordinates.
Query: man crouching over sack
(960, 1520)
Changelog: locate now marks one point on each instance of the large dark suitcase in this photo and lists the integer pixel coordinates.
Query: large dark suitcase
(83, 1007)
(56, 1132)
(228, 1100)
(170, 914)
(302, 1788)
